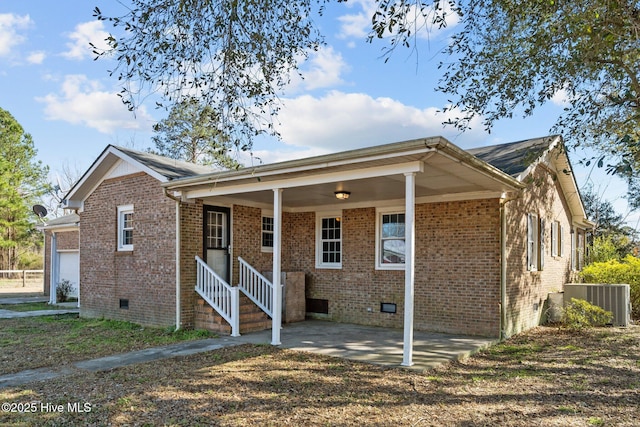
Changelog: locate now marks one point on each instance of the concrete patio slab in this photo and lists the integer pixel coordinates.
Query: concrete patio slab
(382, 346)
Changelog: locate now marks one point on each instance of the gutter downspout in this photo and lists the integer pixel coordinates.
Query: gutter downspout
(53, 269)
(178, 294)
(503, 265)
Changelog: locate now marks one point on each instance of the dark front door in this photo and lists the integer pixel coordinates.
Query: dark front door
(216, 240)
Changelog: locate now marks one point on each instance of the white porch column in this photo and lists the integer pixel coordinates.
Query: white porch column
(276, 320)
(409, 266)
(53, 269)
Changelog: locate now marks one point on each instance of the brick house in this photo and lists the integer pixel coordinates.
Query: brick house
(418, 234)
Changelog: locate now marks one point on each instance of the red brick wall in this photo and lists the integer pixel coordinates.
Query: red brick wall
(457, 266)
(247, 240)
(144, 276)
(67, 240)
(527, 291)
(191, 234)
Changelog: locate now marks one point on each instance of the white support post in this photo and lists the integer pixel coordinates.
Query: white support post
(53, 269)
(409, 267)
(276, 319)
(235, 311)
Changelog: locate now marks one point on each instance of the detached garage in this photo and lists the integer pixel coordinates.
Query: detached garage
(62, 255)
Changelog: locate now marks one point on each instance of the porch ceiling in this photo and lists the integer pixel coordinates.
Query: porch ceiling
(438, 177)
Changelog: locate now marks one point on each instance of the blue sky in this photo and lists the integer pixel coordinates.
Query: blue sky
(350, 98)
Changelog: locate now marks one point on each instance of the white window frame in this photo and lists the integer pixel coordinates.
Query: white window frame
(319, 241)
(122, 211)
(265, 214)
(379, 214)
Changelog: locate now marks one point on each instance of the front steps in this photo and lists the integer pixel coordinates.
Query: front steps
(252, 319)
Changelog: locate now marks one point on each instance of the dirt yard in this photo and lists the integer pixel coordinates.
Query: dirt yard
(545, 377)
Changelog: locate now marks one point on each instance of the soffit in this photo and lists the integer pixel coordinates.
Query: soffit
(441, 177)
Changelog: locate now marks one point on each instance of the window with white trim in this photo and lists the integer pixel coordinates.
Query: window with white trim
(125, 228)
(267, 233)
(329, 240)
(390, 239)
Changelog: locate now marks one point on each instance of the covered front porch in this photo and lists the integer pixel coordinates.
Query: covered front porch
(344, 244)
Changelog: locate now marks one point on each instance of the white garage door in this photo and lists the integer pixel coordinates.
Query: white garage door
(70, 269)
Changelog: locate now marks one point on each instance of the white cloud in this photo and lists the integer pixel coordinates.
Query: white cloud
(561, 98)
(10, 25)
(340, 121)
(358, 25)
(85, 33)
(36, 57)
(323, 69)
(83, 102)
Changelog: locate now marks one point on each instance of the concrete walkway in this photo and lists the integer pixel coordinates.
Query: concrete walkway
(70, 308)
(22, 299)
(360, 343)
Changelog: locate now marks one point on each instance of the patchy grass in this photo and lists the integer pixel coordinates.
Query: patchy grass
(31, 306)
(533, 379)
(36, 342)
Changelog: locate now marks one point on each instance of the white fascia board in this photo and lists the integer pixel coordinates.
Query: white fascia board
(60, 228)
(57, 228)
(311, 165)
(312, 179)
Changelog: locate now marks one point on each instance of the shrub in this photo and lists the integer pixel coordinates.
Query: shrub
(626, 271)
(63, 290)
(603, 249)
(580, 314)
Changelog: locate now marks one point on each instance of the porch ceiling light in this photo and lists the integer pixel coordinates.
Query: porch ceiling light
(342, 195)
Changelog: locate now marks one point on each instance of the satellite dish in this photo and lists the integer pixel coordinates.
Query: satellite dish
(40, 210)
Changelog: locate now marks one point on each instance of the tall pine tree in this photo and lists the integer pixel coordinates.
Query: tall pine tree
(22, 182)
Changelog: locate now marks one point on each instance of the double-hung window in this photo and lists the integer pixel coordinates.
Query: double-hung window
(329, 240)
(267, 233)
(390, 239)
(125, 228)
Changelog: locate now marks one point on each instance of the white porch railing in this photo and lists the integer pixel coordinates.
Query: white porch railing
(225, 299)
(256, 287)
